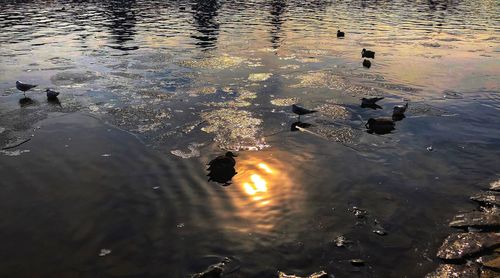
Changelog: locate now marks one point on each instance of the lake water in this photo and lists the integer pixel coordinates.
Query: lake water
(151, 91)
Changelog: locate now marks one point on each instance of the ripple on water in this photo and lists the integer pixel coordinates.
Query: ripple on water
(234, 129)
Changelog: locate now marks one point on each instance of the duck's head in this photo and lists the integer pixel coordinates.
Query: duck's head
(370, 122)
(364, 50)
(230, 154)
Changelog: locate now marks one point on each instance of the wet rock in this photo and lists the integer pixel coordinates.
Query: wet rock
(452, 270)
(213, 271)
(357, 262)
(476, 219)
(320, 274)
(487, 197)
(341, 241)
(488, 273)
(495, 186)
(358, 212)
(458, 246)
(378, 229)
(493, 263)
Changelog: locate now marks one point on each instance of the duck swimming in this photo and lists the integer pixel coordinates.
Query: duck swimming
(367, 54)
(51, 94)
(340, 34)
(367, 64)
(301, 111)
(221, 169)
(399, 110)
(380, 125)
(370, 101)
(24, 87)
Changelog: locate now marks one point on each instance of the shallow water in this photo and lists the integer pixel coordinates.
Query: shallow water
(153, 90)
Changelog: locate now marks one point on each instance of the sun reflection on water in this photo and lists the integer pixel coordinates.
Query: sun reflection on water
(264, 191)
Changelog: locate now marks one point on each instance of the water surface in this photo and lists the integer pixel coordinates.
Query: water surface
(153, 90)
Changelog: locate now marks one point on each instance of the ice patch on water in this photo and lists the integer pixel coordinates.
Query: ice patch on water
(14, 153)
(234, 129)
(259, 76)
(193, 151)
(284, 101)
(2, 129)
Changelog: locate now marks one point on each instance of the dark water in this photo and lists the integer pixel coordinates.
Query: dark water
(153, 90)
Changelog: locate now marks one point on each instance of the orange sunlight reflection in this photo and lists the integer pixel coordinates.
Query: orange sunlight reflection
(264, 191)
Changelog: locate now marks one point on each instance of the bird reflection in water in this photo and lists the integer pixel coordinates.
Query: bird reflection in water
(296, 126)
(26, 101)
(221, 169)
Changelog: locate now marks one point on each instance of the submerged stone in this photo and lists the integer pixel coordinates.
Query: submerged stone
(458, 246)
(452, 270)
(476, 219)
(492, 263)
(319, 274)
(357, 262)
(214, 271)
(487, 197)
(495, 185)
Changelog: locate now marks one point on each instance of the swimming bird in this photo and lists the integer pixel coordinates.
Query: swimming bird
(301, 111)
(340, 34)
(23, 87)
(399, 110)
(51, 94)
(367, 54)
(221, 169)
(367, 64)
(226, 160)
(370, 101)
(380, 125)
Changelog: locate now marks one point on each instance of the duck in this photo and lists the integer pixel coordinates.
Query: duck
(380, 125)
(399, 110)
(222, 161)
(370, 101)
(301, 110)
(51, 94)
(24, 87)
(367, 64)
(367, 54)
(340, 34)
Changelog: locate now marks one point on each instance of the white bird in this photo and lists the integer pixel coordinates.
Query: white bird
(23, 87)
(399, 110)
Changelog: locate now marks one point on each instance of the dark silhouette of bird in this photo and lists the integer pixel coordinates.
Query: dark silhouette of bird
(51, 94)
(340, 34)
(221, 169)
(370, 101)
(367, 54)
(367, 64)
(23, 87)
(380, 125)
(399, 110)
(223, 161)
(301, 111)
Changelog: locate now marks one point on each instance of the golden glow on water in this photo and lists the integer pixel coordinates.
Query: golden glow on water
(264, 191)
